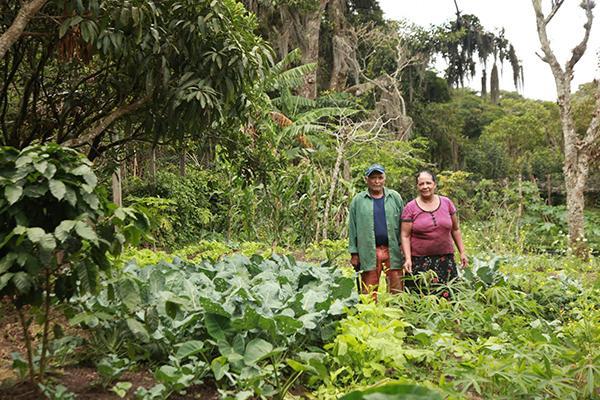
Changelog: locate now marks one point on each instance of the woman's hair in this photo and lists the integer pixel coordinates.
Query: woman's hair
(425, 171)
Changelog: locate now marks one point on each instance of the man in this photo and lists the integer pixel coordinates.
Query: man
(374, 233)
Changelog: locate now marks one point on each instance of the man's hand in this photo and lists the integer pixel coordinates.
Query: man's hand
(408, 266)
(355, 261)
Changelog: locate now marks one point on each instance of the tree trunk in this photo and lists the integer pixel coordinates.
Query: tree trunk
(152, 166)
(483, 83)
(117, 188)
(135, 169)
(334, 180)
(575, 171)
(336, 10)
(14, 32)
(310, 49)
(577, 150)
(494, 85)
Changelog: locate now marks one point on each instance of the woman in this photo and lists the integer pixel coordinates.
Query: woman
(429, 232)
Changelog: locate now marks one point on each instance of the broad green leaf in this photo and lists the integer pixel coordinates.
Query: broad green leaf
(22, 282)
(92, 200)
(7, 262)
(90, 319)
(35, 191)
(63, 229)
(19, 230)
(166, 374)
(41, 166)
(120, 213)
(4, 279)
(88, 276)
(219, 367)
(85, 231)
(71, 196)
(21, 161)
(129, 294)
(35, 234)
(50, 171)
(121, 388)
(189, 348)
(47, 242)
(394, 392)
(256, 350)
(90, 179)
(244, 395)
(138, 329)
(57, 188)
(13, 193)
(216, 325)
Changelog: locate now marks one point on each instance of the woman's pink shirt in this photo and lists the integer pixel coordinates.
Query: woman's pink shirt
(431, 230)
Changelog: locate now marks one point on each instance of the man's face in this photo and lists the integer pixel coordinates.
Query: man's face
(375, 182)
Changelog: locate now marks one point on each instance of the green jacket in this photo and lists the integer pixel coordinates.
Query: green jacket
(361, 229)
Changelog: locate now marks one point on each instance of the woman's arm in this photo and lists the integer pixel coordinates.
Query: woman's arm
(457, 237)
(405, 233)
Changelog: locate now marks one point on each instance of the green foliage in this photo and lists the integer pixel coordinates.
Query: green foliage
(56, 222)
(394, 392)
(541, 124)
(111, 367)
(500, 336)
(237, 320)
(56, 232)
(58, 392)
(190, 66)
(182, 208)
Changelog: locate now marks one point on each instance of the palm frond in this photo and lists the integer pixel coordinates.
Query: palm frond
(318, 114)
(293, 102)
(289, 59)
(291, 78)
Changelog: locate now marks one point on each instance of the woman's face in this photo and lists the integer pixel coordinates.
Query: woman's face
(425, 185)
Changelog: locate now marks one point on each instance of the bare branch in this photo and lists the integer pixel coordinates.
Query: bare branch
(105, 122)
(579, 50)
(549, 56)
(14, 32)
(555, 6)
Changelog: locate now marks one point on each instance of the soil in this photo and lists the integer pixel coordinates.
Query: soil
(82, 381)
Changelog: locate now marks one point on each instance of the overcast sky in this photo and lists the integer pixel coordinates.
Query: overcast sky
(518, 19)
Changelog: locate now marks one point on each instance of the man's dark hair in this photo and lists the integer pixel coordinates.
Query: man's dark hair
(426, 171)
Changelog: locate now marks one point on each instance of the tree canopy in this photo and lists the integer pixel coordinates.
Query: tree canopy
(169, 69)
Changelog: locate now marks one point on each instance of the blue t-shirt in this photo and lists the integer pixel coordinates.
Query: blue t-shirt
(381, 236)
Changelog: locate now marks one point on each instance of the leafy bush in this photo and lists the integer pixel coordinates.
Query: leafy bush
(56, 230)
(190, 208)
(531, 332)
(238, 320)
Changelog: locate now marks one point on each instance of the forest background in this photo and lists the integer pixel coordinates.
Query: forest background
(220, 132)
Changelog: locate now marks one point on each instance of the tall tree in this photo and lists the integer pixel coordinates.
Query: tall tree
(464, 43)
(291, 24)
(578, 149)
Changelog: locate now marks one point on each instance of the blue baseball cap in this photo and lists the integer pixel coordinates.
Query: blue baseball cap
(375, 168)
